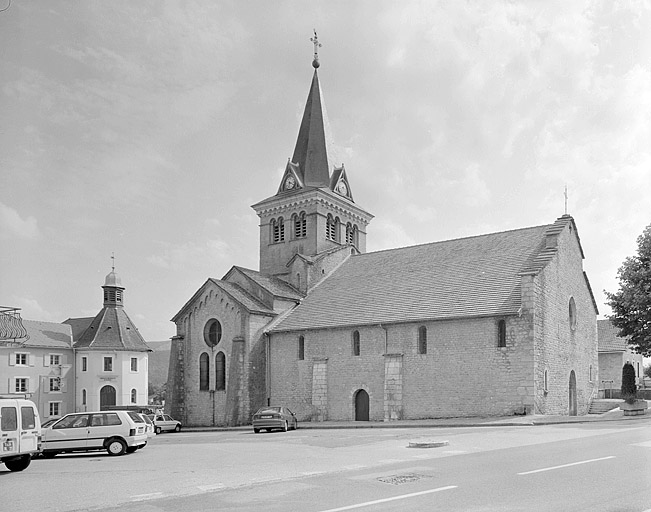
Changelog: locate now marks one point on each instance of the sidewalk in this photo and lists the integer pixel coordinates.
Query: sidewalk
(505, 421)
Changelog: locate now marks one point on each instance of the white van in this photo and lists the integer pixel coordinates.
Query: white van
(20, 432)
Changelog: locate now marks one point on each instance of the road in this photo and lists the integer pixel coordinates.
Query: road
(596, 467)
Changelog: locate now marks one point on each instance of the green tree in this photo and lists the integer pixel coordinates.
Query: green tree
(647, 371)
(631, 304)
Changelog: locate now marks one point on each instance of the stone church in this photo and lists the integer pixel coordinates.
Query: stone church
(495, 324)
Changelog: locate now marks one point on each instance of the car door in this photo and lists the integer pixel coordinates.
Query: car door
(69, 433)
(104, 425)
(28, 429)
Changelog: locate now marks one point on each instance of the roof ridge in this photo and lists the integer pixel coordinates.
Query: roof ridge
(404, 247)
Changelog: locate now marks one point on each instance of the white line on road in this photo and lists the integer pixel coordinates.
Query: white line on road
(143, 497)
(566, 465)
(394, 498)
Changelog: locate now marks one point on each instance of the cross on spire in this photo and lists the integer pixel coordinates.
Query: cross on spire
(317, 45)
(112, 262)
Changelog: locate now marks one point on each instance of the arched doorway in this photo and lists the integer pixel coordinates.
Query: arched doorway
(361, 405)
(106, 397)
(572, 397)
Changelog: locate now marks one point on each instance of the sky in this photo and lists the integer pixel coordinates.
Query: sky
(147, 130)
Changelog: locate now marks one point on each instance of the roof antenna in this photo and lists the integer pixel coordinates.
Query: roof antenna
(565, 194)
(317, 45)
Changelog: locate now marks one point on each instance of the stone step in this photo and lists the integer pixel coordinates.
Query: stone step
(600, 406)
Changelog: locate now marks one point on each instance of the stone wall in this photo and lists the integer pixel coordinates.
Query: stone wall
(463, 373)
(559, 347)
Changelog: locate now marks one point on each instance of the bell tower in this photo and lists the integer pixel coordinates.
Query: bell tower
(313, 212)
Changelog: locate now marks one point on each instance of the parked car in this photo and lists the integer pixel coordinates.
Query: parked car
(48, 422)
(117, 432)
(269, 418)
(165, 423)
(149, 426)
(20, 432)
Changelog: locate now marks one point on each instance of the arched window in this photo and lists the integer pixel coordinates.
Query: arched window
(351, 234)
(278, 230)
(355, 343)
(422, 340)
(134, 396)
(332, 228)
(301, 348)
(501, 333)
(212, 332)
(300, 225)
(220, 371)
(204, 375)
(546, 381)
(572, 313)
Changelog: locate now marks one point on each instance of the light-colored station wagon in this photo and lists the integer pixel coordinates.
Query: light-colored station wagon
(117, 432)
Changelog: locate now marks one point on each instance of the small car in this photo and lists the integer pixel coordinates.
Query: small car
(269, 418)
(117, 432)
(165, 423)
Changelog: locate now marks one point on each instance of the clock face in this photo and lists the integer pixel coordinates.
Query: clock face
(290, 182)
(342, 188)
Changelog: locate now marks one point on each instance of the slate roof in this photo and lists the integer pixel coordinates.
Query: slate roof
(608, 339)
(111, 329)
(48, 334)
(78, 325)
(240, 295)
(466, 277)
(273, 285)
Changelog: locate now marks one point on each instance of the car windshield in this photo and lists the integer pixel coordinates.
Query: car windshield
(268, 409)
(146, 418)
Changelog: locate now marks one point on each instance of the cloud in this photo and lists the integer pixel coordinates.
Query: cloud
(32, 310)
(194, 255)
(13, 226)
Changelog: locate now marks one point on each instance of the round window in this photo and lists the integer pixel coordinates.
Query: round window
(212, 333)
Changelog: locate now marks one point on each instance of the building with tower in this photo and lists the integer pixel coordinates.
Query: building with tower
(495, 324)
(111, 357)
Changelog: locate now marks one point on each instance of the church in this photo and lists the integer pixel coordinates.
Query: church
(490, 325)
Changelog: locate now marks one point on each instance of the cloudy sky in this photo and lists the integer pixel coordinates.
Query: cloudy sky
(147, 129)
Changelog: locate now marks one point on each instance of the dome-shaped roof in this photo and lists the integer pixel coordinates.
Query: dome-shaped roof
(112, 279)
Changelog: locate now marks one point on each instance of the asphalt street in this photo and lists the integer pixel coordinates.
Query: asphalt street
(583, 466)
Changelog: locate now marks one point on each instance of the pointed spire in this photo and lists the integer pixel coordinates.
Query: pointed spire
(310, 152)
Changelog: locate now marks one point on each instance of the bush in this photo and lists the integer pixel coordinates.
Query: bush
(629, 389)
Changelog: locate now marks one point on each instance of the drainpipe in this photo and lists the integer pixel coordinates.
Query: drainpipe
(386, 339)
(267, 350)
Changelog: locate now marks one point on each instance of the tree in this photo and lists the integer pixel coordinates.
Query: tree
(647, 371)
(631, 305)
(629, 388)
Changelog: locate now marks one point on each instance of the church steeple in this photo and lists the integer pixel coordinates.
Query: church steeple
(313, 212)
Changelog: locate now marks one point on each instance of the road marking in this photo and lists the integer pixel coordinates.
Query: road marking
(211, 487)
(143, 497)
(566, 465)
(394, 498)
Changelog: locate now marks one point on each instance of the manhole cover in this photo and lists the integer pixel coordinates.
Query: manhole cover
(402, 479)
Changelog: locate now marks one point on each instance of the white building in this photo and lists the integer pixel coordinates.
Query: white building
(111, 357)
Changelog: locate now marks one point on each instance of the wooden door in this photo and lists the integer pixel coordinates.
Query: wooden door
(361, 406)
(106, 397)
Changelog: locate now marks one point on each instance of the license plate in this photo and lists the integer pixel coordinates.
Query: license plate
(8, 445)
(266, 417)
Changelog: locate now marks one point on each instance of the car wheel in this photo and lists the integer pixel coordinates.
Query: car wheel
(49, 455)
(177, 428)
(18, 464)
(256, 430)
(285, 427)
(131, 449)
(158, 430)
(116, 447)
